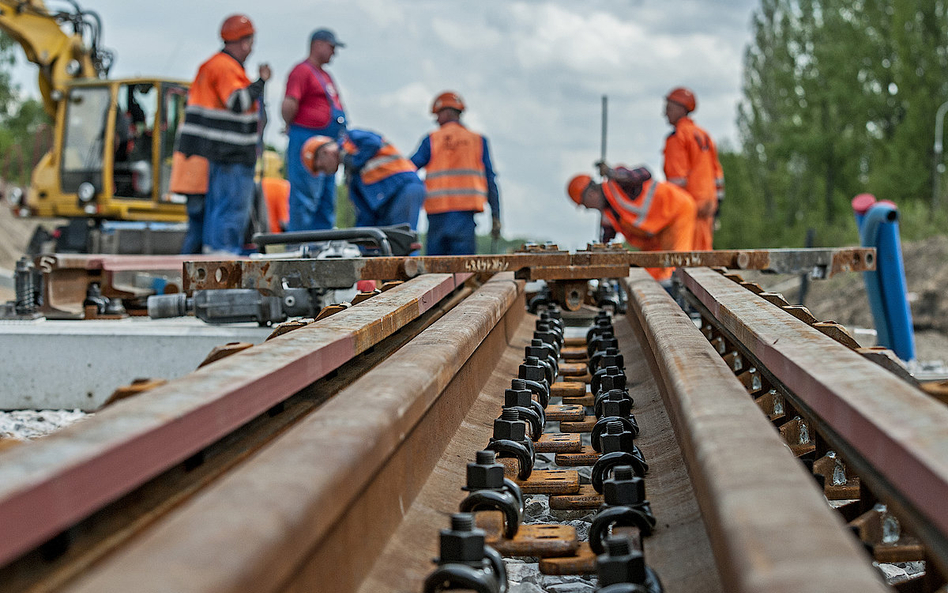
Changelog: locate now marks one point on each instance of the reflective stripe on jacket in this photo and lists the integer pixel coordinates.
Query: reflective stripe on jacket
(386, 162)
(212, 129)
(456, 179)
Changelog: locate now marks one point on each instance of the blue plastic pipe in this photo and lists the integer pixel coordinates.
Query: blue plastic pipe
(886, 286)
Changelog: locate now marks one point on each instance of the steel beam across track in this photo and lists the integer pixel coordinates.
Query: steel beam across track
(894, 435)
(770, 529)
(314, 509)
(273, 274)
(51, 484)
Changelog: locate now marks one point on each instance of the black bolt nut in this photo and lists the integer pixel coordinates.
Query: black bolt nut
(624, 488)
(614, 378)
(462, 543)
(509, 426)
(620, 564)
(532, 371)
(485, 472)
(517, 397)
(617, 438)
(616, 403)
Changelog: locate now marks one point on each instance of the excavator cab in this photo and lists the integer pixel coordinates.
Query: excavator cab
(111, 157)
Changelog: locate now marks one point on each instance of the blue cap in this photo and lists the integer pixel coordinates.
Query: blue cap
(326, 35)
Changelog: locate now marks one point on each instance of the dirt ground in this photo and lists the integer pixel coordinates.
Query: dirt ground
(841, 299)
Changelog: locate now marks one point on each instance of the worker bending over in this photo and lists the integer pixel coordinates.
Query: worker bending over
(651, 215)
(459, 180)
(383, 185)
(691, 162)
(221, 124)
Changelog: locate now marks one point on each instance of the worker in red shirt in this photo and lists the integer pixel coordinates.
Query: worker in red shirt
(691, 162)
(312, 107)
(651, 215)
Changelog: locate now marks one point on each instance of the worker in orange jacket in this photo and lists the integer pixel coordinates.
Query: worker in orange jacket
(221, 123)
(651, 215)
(691, 162)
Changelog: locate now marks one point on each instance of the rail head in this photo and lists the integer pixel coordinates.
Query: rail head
(893, 433)
(751, 488)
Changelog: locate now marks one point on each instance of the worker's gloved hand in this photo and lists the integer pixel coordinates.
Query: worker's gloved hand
(607, 233)
(495, 229)
(604, 169)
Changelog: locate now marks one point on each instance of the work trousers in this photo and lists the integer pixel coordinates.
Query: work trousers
(194, 236)
(451, 233)
(401, 208)
(227, 207)
(312, 196)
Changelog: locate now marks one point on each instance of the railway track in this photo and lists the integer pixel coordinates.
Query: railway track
(774, 456)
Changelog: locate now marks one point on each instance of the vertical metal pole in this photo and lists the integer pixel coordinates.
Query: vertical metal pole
(602, 155)
(938, 166)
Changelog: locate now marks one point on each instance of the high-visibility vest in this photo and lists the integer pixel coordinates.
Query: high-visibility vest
(456, 179)
(660, 218)
(211, 128)
(386, 162)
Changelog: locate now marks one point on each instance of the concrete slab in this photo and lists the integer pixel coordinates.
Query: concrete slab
(50, 364)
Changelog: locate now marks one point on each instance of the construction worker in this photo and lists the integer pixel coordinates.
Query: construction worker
(383, 185)
(221, 124)
(691, 162)
(312, 107)
(651, 215)
(276, 192)
(459, 180)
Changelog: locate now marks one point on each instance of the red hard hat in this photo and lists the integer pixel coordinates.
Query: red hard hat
(236, 27)
(308, 152)
(447, 100)
(577, 185)
(683, 97)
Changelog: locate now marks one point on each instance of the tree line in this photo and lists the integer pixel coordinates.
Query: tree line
(839, 98)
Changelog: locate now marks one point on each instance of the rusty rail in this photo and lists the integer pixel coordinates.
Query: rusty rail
(272, 275)
(770, 528)
(892, 432)
(47, 487)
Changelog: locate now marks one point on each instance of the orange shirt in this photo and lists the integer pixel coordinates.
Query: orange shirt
(276, 193)
(691, 161)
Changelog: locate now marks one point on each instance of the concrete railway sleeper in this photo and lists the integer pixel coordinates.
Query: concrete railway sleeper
(570, 443)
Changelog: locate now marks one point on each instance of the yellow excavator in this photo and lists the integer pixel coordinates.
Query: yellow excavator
(110, 158)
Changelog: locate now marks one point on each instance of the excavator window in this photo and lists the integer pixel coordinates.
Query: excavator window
(134, 126)
(87, 113)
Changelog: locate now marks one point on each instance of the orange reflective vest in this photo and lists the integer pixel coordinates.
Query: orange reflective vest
(212, 129)
(660, 218)
(386, 162)
(456, 179)
(691, 161)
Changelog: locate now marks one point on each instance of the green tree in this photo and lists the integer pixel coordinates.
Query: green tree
(24, 126)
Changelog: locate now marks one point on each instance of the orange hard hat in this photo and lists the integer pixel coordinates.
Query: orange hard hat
(310, 147)
(683, 97)
(236, 27)
(577, 185)
(447, 100)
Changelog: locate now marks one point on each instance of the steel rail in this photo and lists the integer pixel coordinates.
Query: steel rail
(56, 482)
(273, 275)
(893, 434)
(770, 528)
(314, 509)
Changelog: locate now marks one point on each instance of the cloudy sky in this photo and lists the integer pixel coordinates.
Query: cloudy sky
(531, 72)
